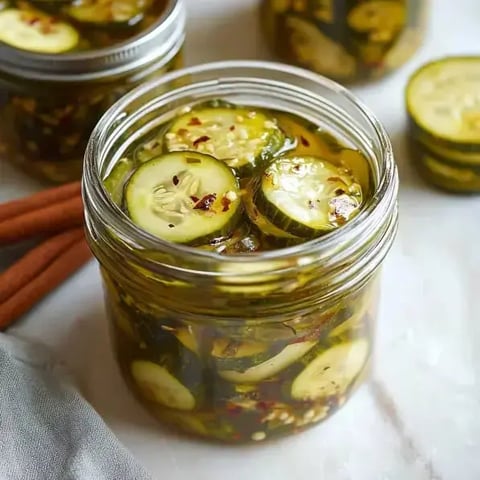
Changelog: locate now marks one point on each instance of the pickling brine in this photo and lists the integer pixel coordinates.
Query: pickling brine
(238, 179)
(217, 321)
(347, 40)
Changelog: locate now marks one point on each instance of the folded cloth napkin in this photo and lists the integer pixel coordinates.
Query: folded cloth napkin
(47, 430)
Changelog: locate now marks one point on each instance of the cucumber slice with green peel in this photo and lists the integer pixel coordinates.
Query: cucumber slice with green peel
(159, 386)
(227, 348)
(116, 179)
(455, 153)
(238, 355)
(270, 367)
(184, 197)
(104, 12)
(443, 100)
(308, 196)
(243, 138)
(260, 220)
(331, 372)
(454, 178)
(36, 32)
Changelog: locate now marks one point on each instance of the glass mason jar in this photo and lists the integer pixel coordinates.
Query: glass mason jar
(49, 104)
(347, 40)
(250, 346)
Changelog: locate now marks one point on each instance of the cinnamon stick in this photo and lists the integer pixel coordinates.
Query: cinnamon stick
(39, 200)
(52, 218)
(58, 271)
(35, 261)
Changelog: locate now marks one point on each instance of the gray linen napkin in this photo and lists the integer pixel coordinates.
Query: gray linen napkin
(47, 430)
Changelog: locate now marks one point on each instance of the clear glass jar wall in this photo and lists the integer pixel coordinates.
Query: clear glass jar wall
(346, 40)
(248, 347)
(49, 104)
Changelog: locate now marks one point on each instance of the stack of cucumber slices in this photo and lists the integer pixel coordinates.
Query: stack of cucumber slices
(443, 104)
(215, 168)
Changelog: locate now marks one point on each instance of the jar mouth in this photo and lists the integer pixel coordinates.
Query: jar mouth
(119, 59)
(378, 209)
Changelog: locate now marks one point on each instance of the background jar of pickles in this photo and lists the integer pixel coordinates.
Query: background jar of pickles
(246, 347)
(49, 104)
(347, 40)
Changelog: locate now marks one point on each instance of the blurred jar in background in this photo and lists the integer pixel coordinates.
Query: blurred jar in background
(346, 40)
(63, 64)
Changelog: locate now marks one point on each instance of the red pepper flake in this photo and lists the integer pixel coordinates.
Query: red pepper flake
(194, 121)
(304, 141)
(226, 202)
(171, 225)
(202, 139)
(296, 168)
(232, 128)
(193, 160)
(175, 180)
(339, 191)
(194, 198)
(206, 202)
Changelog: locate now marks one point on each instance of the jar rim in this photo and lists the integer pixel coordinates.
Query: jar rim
(95, 194)
(118, 59)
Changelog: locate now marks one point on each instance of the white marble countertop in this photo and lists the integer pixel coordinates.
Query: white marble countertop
(419, 417)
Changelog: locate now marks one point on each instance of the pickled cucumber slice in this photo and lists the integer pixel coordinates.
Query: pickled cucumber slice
(36, 32)
(314, 50)
(262, 222)
(270, 367)
(238, 355)
(116, 179)
(447, 175)
(184, 197)
(159, 386)
(331, 372)
(242, 137)
(380, 19)
(308, 196)
(108, 11)
(443, 99)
